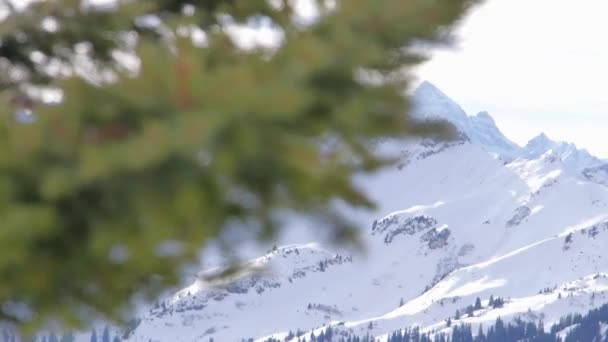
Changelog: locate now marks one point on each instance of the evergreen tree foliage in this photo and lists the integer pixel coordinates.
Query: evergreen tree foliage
(581, 328)
(470, 311)
(498, 302)
(105, 337)
(477, 304)
(121, 183)
(67, 337)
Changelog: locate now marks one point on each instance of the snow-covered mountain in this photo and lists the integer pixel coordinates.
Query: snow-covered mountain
(454, 223)
(573, 157)
(431, 103)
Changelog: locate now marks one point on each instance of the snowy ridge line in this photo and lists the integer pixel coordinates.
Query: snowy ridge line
(465, 221)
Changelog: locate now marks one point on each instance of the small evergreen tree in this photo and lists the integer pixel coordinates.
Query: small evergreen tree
(477, 304)
(67, 337)
(105, 337)
(329, 333)
(470, 311)
(498, 303)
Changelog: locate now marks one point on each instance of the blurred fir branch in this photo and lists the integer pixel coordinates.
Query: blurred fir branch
(200, 137)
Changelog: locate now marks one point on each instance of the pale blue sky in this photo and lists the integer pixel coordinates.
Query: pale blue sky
(535, 65)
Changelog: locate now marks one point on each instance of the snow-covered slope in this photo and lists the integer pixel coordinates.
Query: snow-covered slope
(454, 223)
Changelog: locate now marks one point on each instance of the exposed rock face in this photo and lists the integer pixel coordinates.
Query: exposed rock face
(521, 213)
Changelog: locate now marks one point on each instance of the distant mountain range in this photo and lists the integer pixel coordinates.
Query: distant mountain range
(430, 102)
(458, 225)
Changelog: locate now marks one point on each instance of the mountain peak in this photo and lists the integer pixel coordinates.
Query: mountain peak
(426, 85)
(430, 102)
(539, 145)
(428, 89)
(579, 159)
(540, 140)
(485, 116)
